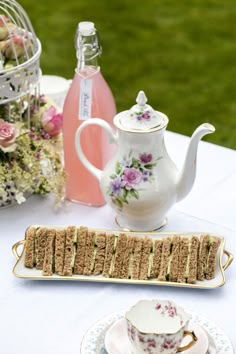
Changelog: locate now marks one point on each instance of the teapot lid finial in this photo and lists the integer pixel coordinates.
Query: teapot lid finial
(141, 98)
(141, 117)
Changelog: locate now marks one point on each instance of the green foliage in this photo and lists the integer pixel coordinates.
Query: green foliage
(182, 54)
(134, 193)
(118, 168)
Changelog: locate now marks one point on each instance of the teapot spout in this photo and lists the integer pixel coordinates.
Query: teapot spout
(186, 177)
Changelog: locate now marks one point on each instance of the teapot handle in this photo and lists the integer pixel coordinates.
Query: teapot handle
(96, 172)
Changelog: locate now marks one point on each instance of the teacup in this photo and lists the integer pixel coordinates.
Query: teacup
(158, 326)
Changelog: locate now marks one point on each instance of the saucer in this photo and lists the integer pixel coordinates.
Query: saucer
(117, 340)
(94, 339)
(202, 344)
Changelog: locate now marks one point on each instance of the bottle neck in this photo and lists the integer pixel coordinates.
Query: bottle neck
(88, 49)
(83, 64)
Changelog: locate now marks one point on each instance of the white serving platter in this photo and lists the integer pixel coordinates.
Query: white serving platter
(223, 261)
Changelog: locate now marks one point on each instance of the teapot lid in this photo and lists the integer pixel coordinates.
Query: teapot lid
(141, 117)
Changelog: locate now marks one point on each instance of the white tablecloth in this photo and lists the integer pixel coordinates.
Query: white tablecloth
(45, 317)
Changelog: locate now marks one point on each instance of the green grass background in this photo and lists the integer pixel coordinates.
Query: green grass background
(181, 53)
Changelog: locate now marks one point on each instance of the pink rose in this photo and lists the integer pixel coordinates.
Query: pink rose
(131, 177)
(8, 134)
(52, 121)
(15, 46)
(146, 115)
(6, 27)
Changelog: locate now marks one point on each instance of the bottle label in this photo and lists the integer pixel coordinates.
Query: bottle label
(85, 99)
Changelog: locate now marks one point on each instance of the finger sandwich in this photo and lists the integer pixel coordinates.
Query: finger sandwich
(70, 250)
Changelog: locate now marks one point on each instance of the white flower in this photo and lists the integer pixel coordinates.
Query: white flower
(20, 198)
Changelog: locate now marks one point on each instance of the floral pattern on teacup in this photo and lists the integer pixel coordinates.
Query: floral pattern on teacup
(153, 344)
(129, 174)
(169, 310)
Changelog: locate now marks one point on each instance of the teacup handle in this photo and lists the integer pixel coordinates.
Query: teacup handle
(189, 345)
(96, 172)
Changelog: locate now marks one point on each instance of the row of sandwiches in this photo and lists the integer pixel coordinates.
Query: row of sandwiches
(81, 251)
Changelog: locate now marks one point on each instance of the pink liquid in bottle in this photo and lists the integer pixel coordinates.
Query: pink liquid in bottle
(81, 186)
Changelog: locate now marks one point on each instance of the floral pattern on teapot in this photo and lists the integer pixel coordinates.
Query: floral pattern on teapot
(128, 176)
(127, 182)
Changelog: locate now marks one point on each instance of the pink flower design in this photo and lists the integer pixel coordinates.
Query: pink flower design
(171, 310)
(131, 333)
(151, 343)
(146, 115)
(8, 134)
(131, 177)
(141, 338)
(169, 344)
(143, 115)
(128, 174)
(52, 121)
(145, 158)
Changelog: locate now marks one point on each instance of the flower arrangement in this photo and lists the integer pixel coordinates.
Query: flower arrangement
(129, 175)
(30, 124)
(30, 158)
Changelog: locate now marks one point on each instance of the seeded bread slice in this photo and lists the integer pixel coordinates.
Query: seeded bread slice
(155, 258)
(40, 241)
(202, 258)
(29, 260)
(211, 259)
(81, 250)
(90, 242)
(174, 259)
(127, 257)
(69, 251)
(100, 253)
(48, 266)
(119, 256)
(183, 259)
(136, 258)
(192, 261)
(110, 249)
(144, 264)
(60, 244)
(166, 247)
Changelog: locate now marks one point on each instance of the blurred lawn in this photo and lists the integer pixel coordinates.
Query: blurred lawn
(182, 54)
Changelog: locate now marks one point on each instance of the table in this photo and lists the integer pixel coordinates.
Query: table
(46, 317)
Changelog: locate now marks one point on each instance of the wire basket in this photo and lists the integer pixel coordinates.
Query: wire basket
(20, 52)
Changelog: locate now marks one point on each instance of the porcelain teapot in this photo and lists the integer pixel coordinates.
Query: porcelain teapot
(141, 182)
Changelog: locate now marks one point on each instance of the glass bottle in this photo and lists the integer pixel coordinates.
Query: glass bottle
(88, 97)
